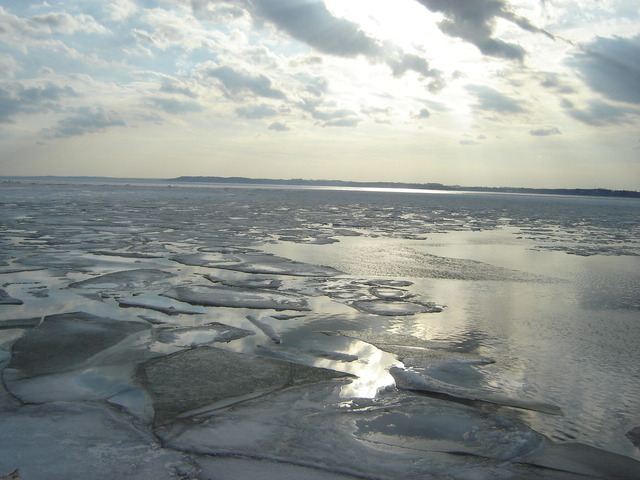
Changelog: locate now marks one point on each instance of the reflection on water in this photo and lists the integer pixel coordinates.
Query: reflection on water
(561, 328)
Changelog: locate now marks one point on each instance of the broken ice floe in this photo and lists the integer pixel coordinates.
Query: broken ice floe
(84, 440)
(214, 332)
(194, 379)
(77, 356)
(221, 296)
(266, 329)
(153, 304)
(266, 283)
(66, 341)
(257, 263)
(394, 307)
(393, 436)
(6, 299)
(126, 279)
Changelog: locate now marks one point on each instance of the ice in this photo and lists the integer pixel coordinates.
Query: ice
(258, 263)
(65, 341)
(6, 299)
(76, 356)
(221, 296)
(391, 437)
(140, 386)
(60, 441)
(200, 377)
(266, 329)
(409, 379)
(153, 303)
(209, 333)
(394, 308)
(127, 279)
(247, 282)
(634, 436)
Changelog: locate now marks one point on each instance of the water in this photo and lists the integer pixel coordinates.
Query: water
(496, 300)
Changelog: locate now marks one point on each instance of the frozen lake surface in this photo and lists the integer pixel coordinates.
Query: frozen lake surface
(225, 332)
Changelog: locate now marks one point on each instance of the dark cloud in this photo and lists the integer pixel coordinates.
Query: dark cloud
(599, 113)
(423, 113)
(544, 132)
(173, 106)
(494, 101)
(86, 120)
(474, 22)
(611, 66)
(312, 23)
(235, 82)
(278, 127)
(403, 62)
(256, 111)
(16, 99)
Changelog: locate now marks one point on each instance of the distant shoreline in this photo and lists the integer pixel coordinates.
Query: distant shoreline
(586, 192)
(582, 192)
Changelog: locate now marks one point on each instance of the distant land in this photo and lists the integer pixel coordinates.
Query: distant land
(585, 192)
(588, 192)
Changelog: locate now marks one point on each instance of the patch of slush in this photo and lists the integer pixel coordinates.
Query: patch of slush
(73, 440)
(221, 296)
(201, 377)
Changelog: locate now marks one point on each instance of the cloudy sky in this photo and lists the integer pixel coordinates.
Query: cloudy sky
(541, 93)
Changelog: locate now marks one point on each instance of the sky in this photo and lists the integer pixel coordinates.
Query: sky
(526, 93)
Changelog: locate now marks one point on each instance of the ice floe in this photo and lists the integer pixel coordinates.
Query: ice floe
(203, 335)
(6, 299)
(126, 279)
(394, 307)
(221, 296)
(257, 263)
(202, 377)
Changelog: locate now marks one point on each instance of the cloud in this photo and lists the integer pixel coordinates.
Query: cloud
(611, 66)
(423, 113)
(474, 21)
(43, 26)
(312, 23)
(178, 88)
(16, 99)
(119, 10)
(235, 82)
(278, 127)
(544, 132)
(599, 113)
(173, 106)
(86, 120)
(554, 81)
(256, 111)
(494, 101)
